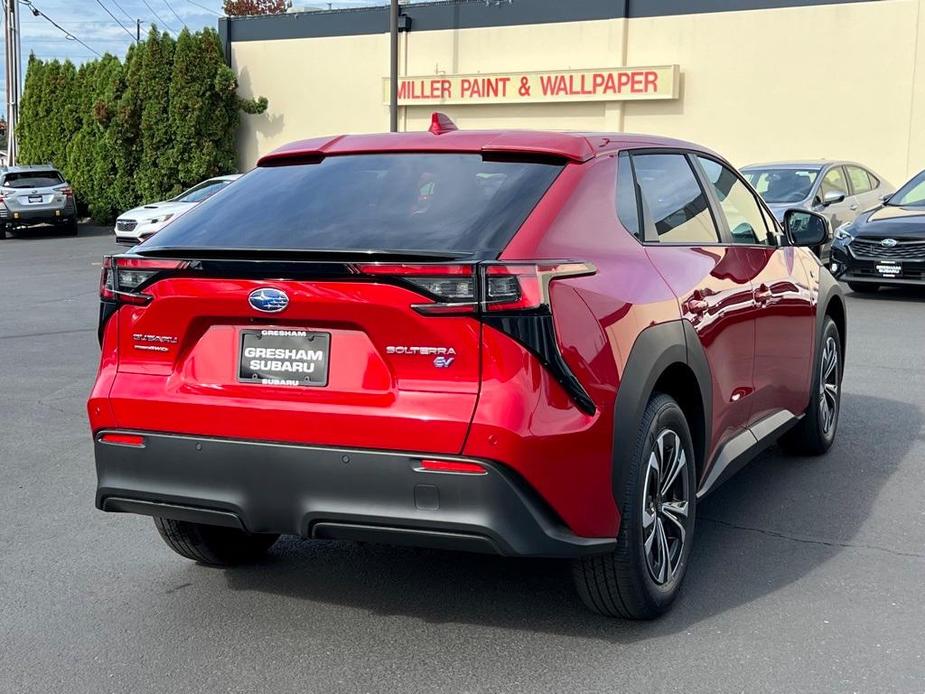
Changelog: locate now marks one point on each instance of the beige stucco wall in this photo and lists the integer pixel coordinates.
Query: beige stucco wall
(839, 81)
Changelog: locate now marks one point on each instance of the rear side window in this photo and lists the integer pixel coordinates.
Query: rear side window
(396, 202)
(32, 179)
(860, 182)
(627, 201)
(674, 199)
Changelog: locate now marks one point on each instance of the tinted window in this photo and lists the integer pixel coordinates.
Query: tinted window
(673, 199)
(627, 202)
(781, 186)
(201, 192)
(913, 193)
(405, 202)
(860, 183)
(739, 206)
(834, 181)
(32, 179)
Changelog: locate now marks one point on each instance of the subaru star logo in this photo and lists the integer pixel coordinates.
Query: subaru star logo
(268, 300)
(889, 243)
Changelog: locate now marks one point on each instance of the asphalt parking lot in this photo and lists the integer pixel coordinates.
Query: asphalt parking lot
(807, 575)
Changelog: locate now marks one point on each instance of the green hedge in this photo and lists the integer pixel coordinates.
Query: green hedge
(130, 132)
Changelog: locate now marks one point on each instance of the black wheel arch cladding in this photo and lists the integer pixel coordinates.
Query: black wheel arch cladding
(656, 350)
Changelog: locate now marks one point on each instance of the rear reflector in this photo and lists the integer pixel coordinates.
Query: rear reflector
(124, 440)
(453, 466)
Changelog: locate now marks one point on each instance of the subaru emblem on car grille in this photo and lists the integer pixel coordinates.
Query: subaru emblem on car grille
(268, 300)
(889, 243)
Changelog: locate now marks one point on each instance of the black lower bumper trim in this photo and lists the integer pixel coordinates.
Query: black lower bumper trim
(332, 494)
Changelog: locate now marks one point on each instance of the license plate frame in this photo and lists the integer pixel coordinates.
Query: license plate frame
(316, 346)
(889, 269)
(35, 199)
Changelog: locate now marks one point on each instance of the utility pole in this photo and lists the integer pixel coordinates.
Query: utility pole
(393, 67)
(137, 31)
(13, 69)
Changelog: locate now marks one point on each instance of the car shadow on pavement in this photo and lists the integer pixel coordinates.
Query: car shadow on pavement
(772, 524)
(905, 293)
(47, 231)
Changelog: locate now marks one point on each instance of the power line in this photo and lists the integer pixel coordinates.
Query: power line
(158, 17)
(193, 2)
(38, 13)
(115, 19)
(169, 7)
(122, 9)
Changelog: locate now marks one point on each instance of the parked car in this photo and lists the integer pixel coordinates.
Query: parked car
(839, 190)
(145, 221)
(36, 194)
(885, 246)
(533, 344)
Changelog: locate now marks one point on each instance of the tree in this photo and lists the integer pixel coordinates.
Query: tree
(139, 130)
(241, 8)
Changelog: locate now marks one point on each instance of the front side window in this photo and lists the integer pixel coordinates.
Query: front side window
(401, 202)
(674, 199)
(860, 182)
(834, 182)
(738, 204)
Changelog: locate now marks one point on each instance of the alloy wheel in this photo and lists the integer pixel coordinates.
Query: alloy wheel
(666, 504)
(829, 385)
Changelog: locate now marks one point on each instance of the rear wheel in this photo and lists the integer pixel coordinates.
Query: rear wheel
(864, 287)
(70, 227)
(641, 577)
(210, 544)
(816, 431)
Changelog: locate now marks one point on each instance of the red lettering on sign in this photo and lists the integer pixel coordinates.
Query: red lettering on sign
(637, 83)
(652, 81)
(623, 81)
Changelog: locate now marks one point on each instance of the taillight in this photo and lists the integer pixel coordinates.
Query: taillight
(510, 297)
(482, 288)
(122, 278)
(66, 191)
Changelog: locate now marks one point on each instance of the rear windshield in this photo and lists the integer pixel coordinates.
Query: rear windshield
(402, 202)
(32, 179)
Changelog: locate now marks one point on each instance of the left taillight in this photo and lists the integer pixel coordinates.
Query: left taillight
(122, 278)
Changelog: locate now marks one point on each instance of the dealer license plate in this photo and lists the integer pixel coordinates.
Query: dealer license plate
(888, 268)
(284, 357)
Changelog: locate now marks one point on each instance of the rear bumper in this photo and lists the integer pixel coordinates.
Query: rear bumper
(331, 493)
(40, 216)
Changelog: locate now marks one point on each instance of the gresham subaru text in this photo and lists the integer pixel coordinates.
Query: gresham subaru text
(534, 344)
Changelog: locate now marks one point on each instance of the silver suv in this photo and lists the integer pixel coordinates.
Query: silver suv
(36, 194)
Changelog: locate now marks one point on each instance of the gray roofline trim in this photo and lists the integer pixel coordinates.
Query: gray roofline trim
(474, 14)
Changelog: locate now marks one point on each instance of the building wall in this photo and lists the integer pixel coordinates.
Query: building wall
(842, 80)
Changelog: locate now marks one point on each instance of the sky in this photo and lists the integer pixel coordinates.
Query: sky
(89, 21)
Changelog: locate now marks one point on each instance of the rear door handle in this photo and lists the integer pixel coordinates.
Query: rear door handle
(854, 207)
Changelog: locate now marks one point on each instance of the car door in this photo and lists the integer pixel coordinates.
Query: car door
(710, 277)
(835, 181)
(782, 288)
(862, 188)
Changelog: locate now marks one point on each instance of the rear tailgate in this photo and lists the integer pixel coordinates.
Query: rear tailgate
(372, 372)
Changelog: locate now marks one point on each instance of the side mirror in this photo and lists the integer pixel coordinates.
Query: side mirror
(833, 197)
(886, 198)
(806, 228)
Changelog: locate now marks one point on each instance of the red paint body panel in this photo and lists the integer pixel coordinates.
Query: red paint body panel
(498, 402)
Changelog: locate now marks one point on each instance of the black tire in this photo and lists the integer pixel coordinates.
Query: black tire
(70, 227)
(816, 431)
(864, 287)
(211, 544)
(623, 583)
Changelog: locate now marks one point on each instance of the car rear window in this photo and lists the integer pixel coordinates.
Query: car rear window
(32, 179)
(403, 202)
